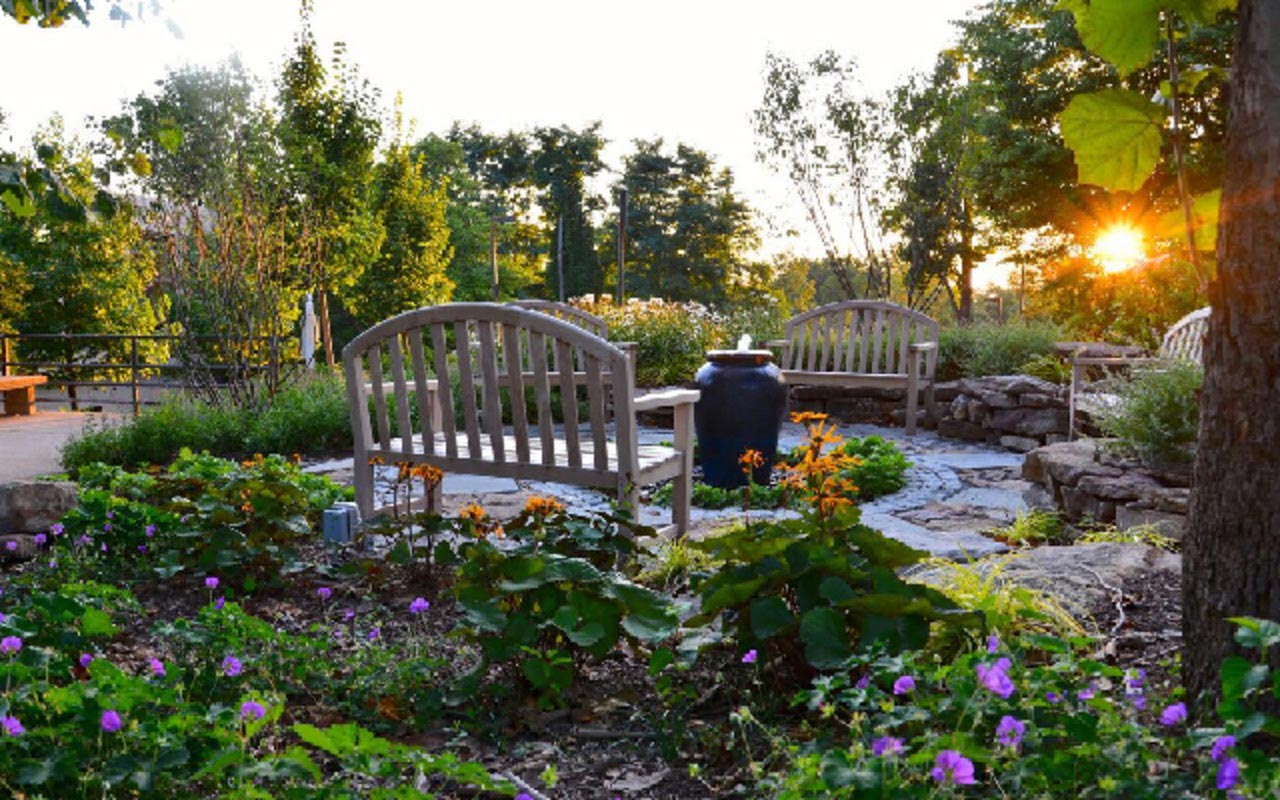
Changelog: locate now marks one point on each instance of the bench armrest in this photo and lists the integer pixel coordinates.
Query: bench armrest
(1102, 361)
(667, 399)
(922, 347)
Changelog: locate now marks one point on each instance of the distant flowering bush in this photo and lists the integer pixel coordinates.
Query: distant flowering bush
(1029, 727)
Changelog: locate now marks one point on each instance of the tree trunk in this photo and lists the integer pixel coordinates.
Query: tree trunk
(1231, 561)
(965, 311)
(326, 335)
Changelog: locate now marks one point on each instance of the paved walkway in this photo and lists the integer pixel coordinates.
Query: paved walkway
(954, 490)
(31, 446)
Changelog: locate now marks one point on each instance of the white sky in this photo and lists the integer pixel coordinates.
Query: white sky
(688, 70)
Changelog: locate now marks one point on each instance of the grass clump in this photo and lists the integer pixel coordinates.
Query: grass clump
(1031, 528)
(309, 416)
(1149, 535)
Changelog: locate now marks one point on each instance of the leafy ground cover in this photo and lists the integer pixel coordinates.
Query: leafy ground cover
(183, 631)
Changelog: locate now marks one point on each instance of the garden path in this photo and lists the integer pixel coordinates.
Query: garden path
(954, 491)
(31, 446)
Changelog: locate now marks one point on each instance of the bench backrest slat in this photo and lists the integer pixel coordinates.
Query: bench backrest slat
(571, 314)
(568, 402)
(467, 380)
(596, 400)
(492, 415)
(542, 396)
(515, 389)
(448, 425)
(380, 398)
(858, 336)
(418, 359)
(401, 393)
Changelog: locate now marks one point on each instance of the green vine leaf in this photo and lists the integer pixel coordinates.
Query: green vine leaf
(1204, 214)
(1116, 137)
(1124, 32)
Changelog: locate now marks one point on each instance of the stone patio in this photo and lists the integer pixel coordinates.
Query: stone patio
(954, 490)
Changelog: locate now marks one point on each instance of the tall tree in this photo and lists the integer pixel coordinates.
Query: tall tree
(688, 232)
(563, 162)
(411, 268)
(329, 129)
(1231, 565)
(84, 262)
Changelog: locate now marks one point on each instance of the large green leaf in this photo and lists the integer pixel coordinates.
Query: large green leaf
(826, 643)
(1116, 136)
(769, 616)
(1204, 12)
(97, 623)
(483, 614)
(1204, 219)
(1124, 32)
(730, 594)
(880, 549)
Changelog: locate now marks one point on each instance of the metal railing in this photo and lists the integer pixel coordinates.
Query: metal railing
(142, 374)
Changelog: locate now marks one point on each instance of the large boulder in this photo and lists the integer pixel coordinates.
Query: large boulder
(1066, 463)
(32, 506)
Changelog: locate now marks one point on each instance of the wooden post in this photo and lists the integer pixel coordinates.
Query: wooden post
(133, 375)
(4, 354)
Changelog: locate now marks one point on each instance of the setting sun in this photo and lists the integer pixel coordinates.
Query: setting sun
(1119, 248)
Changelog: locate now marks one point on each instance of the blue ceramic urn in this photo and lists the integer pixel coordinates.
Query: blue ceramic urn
(744, 398)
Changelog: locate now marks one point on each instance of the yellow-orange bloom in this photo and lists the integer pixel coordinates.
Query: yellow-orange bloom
(542, 506)
(474, 512)
(751, 458)
(808, 416)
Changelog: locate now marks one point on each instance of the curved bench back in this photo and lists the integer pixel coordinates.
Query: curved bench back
(869, 337)
(492, 363)
(564, 311)
(1185, 340)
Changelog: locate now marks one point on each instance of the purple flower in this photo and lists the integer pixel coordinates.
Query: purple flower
(232, 666)
(886, 746)
(325, 592)
(1228, 774)
(111, 515)
(1221, 745)
(1053, 697)
(418, 605)
(83, 540)
(219, 603)
(40, 539)
(348, 615)
(996, 678)
(211, 582)
(1009, 732)
(904, 684)
(1173, 714)
(106, 527)
(11, 726)
(524, 796)
(251, 709)
(951, 767)
(993, 643)
(157, 667)
(1134, 680)
(111, 721)
(863, 682)
(183, 519)
(1139, 702)
(1085, 693)
(10, 645)
(11, 545)
(750, 657)
(56, 529)
(374, 634)
(150, 531)
(3, 616)
(85, 660)
(142, 548)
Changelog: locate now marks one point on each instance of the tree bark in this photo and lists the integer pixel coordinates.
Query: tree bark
(1231, 561)
(326, 335)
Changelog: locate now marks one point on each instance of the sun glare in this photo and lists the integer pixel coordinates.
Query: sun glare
(1119, 248)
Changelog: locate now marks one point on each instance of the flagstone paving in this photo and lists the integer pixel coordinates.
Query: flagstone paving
(954, 491)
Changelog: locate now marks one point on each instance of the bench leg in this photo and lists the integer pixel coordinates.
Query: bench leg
(20, 402)
(1077, 378)
(683, 490)
(362, 476)
(913, 398)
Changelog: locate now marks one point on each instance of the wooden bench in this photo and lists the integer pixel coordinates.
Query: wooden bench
(571, 314)
(20, 393)
(1184, 341)
(863, 344)
(489, 355)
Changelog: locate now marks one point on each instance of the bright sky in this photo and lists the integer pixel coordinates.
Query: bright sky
(686, 70)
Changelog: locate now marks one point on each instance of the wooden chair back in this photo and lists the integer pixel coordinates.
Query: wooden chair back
(1185, 340)
(867, 337)
(492, 362)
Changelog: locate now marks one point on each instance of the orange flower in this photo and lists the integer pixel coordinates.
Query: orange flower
(808, 416)
(376, 461)
(247, 508)
(474, 512)
(751, 458)
(543, 506)
(429, 474)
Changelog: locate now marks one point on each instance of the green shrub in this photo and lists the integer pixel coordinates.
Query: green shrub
(1048, 368)
(309, 416)
(986, 349)
(1158, 415)
(880, 468)
(672, 339)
